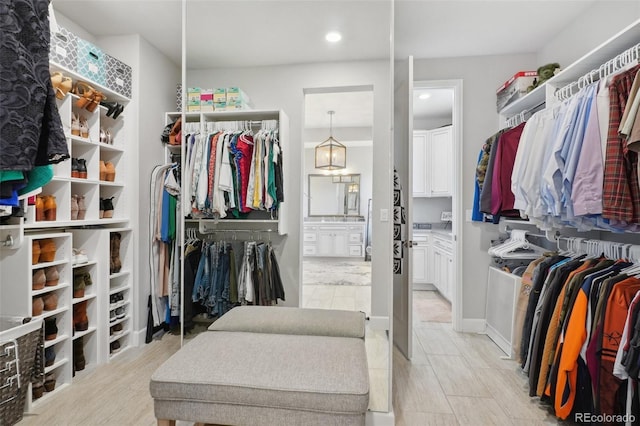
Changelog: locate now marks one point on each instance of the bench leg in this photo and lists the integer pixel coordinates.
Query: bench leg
(165, 422)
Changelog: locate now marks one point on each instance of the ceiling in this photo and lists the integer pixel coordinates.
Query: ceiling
(243, 33)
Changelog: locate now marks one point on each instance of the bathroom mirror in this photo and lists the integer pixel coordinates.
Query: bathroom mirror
(334, 195)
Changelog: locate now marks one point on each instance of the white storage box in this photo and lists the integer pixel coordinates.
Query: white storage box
(514, 88)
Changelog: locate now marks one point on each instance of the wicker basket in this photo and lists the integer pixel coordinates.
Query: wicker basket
(22, 359)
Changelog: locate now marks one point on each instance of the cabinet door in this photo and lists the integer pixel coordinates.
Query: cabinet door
(325, 243)
(441, 162)
(450, 282)
(443, 268)
(419, 264)
(340, 244)
(437, 275)
(429, 274)
(420, 156)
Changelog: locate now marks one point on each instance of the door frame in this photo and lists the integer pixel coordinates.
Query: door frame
(457, 205)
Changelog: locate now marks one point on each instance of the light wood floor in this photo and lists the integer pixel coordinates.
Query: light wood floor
(453, 379)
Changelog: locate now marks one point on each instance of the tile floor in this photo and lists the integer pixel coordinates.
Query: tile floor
(453, 378)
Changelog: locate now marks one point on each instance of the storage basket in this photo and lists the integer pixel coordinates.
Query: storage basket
(22, 361)
(63, 49)
(118, 76)
(91, 62)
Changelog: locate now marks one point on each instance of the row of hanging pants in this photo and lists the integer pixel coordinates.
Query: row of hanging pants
(220, 275)
(573, 314)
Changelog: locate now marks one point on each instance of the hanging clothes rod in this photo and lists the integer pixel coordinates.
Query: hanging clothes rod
(610, 249)
(610, 67)
(522, 116)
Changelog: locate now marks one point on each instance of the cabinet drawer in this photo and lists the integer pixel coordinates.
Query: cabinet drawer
(332, 228)
(310, 228)
(355, 237)
(310, 236)
(309, 250)
(358, 228)
(355, 251)
(421, 238)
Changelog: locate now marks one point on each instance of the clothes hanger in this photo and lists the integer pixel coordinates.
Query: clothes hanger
(517, 247)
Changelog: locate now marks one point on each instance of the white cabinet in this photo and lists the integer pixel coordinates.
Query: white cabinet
(443, 266)
(433, 162)
(338, 239)
(332, 242)
(422, 258)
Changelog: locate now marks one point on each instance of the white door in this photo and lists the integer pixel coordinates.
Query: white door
(402, 154)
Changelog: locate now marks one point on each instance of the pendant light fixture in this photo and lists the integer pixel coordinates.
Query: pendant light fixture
(331, 154)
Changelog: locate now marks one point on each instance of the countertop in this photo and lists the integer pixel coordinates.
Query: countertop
(446, 233)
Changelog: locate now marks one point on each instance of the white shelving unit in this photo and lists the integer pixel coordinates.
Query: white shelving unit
(17, 296)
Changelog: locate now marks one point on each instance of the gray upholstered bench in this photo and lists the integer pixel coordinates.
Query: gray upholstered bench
(278, 376)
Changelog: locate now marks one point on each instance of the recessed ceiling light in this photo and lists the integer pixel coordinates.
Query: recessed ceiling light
(424, 96)
(333, 37)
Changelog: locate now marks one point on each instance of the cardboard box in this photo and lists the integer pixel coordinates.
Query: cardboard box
(193, 99)
(206, 100)
(220, 106)
(237, 99)
(514, 88)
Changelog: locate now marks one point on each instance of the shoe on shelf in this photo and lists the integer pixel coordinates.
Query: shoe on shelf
(84, 128)
(50, 207)
(114, 347)
(114, 109)
(37, 390)
(82, 168)
(79, 256)
(115, 264)
(120, 313)
(78, 284)
(103, 171)
(109, 136)
(95, 102)
(35, 252)
(86, 94)
(82, 208)
(39, 208)
(50, 301)
(74, 168)
(61, 84)
(49, 382)
(80, 319)
(50, 329)
(38, 280)
(75, 124)
(107, 207)
(103, 136)
(110, 170)
(79, 361)
(49, 356)
(74, 207)
(119, 300)
(37, 306)
(117, 328)
(52, 276)
(113, 302)
(112, 316)
(47, 250)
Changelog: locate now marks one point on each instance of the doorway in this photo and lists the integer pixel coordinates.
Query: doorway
(436, 130)
(336, 199)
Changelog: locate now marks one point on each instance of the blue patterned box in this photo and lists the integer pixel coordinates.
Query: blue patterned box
(118, 76)
(91, 62)
(63, 49)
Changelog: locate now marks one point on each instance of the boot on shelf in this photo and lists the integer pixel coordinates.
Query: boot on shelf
(35, 252)
(115, 264)
(39, 208)
(52, 276)
(80, 319)
(37, 306)
(103, 171)
(78, 284)
(47, 250)
(50, 329)
(50, 207)
(50, 301)
(74, 207)
(82, 208)
(39, 279)
(79, 360)
(49, 356)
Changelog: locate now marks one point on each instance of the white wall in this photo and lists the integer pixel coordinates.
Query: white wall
(428, 209)
(601, 21)
(359, 160)
(281, 87)
(428, 123)
(481, 76)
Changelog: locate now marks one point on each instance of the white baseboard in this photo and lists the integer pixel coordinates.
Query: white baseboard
(377, 418)
(379, 323)
(138, 337)
(473, 325)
